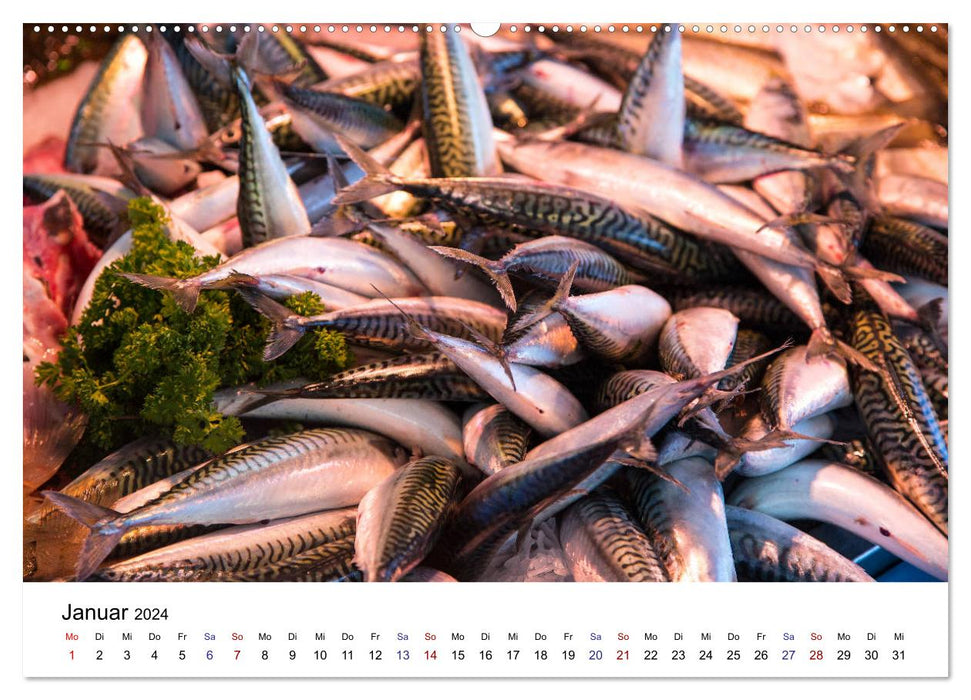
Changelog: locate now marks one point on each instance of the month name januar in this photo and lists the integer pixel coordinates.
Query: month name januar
(75, 613)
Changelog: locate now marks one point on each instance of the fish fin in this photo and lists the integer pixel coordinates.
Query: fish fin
(730, 454)
(378, 180)
(639, 446)
(822, 342)
(494, 269)
(218, 65)
(649, 467)
(577, 124)
(699, 385)
(861, 153)
(851, 354)
(235, 279)
(783, 436)
(185, 292)
(835, 281)
(804, 218)
(126, 162)
(88, 514)
(564, 286)
(340, 223)
(540, 312)
(284, 334)
(51, 431)
(337, 175)
(531, 517)
(473, 237)
(928, 318)
(494, 348)
(726, 460)
(860, 272)
(368, 188)
(104, 532)
(931, 312)
(414, 327)
(711, 397)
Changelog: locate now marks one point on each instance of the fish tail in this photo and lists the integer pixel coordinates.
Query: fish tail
(284, 334)
(929, 318)
(694, 388)
(835, 281)
(378, 180)
(651, 467)
(551, 305)
(860, 272)
(494, 269)
(822, 342)
(860, 153)
(639, 446)
(106, 530)
(218, 65)
(185, 292)
(235, 280)
(730, 454)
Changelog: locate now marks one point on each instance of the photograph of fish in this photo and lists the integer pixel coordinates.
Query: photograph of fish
(646, 303)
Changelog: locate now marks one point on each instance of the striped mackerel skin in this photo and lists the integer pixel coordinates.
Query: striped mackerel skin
(275, 478)
(269, 205)
(899, 415)
(455, 115)
(230, 554)
(425, 376)
(767, 549)
(379, 323)
(494, 439)
(632, 237)
(907, 248)
(602, 542)
(400, 520)
(390, 84)
(107, 106)
(125, 471)
(686, 523)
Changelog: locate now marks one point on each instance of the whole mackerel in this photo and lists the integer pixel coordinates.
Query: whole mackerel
(237, 553)
(898, 413)
(843, 496)
(349, 265)
(380, 323)
(273, 478)
(626, 233)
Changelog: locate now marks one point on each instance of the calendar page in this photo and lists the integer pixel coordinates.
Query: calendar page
(521, 350)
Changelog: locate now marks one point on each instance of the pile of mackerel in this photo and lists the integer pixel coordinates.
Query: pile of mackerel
(642, 305)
